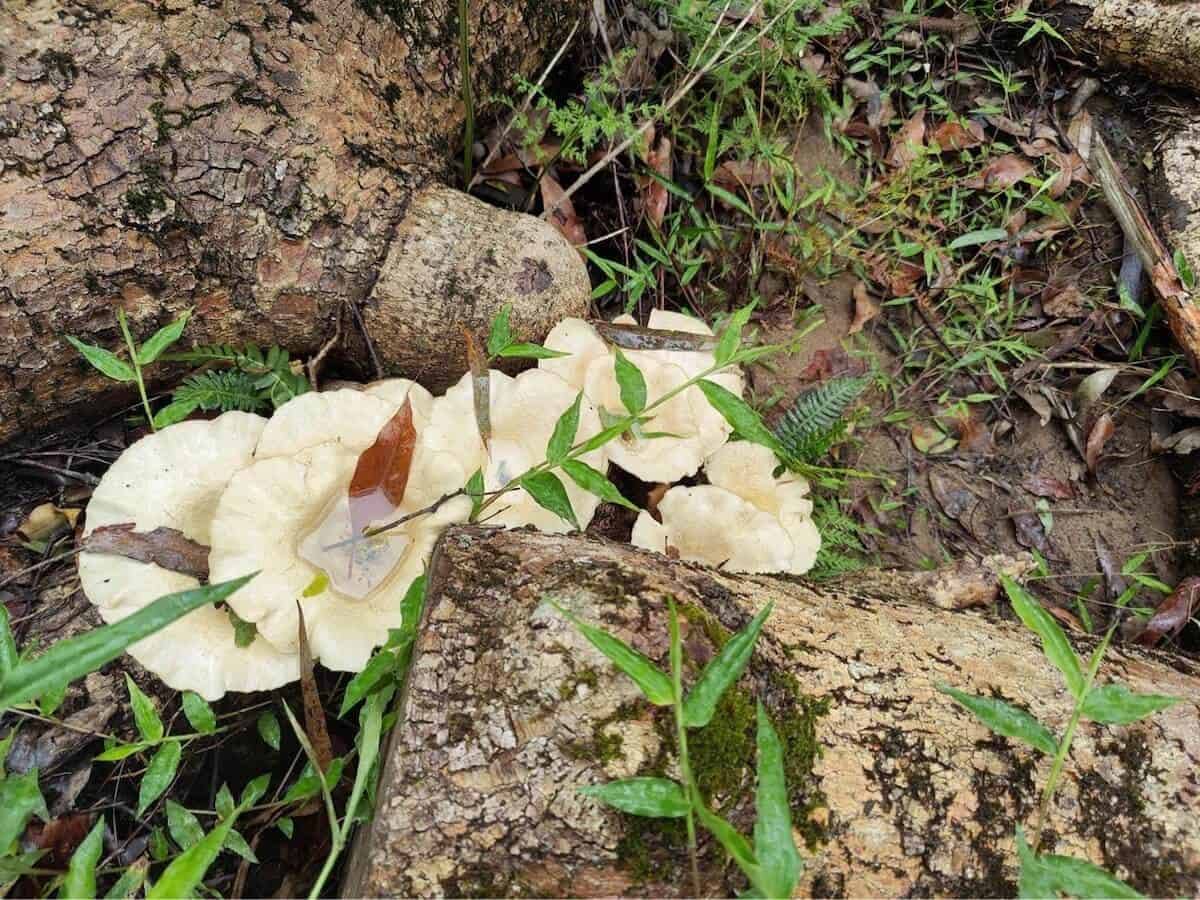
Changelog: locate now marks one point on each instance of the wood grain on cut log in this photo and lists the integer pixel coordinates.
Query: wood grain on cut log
(1156, 38)
(253, 161)
(898, 790)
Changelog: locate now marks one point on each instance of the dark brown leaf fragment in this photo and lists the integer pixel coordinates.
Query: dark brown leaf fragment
(314, 711)
(635, 337)
(165, 547)
(1172, 614)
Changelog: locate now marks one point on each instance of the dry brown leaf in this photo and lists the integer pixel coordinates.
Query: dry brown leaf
(1097, 438)
(954, 136)
(60, 837)
(165, 547)
(828, 363)
(907, 142)
(381, 474)
(1064, 301)
(1172, 614)
(1002, 173)
(46, 522)
(481, 384)
(654, 192)
(864, 308)
(563, 217)
(903, 280)
(1048, 486)
(735, 173)
(930, 439)
(636, 337)
(314, 711)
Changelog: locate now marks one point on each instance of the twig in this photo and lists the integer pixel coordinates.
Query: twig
(314, 364)
(362, 327)
(82, 477)
(67, 554)
(396, 523)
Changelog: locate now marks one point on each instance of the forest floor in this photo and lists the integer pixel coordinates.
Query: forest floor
(905, 196)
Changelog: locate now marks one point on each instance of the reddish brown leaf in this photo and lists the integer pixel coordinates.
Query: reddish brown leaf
(60, 837)
(654, 192)
(973, 435)
(1048, 486)
(736, 173)
(1029, 530)
(314, 711)
(481, 383)
(1097, 438)
(828, 363)
(1172, 614)
(864, 308)
(563, 216)
(165, 547)
(1064, 301)
(381, 475)
(1001, 173)
(907, 143)
(953, 136)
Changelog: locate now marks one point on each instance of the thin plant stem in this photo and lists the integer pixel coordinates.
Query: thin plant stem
(685, 766)
(464, 62)
(137, 368)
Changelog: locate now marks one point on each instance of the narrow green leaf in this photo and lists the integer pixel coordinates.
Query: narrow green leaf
(130, 882)
(631, 382)
(254, 789)
(80, 881)
(778, 859)
(6, 745)
(244, 632)
(546, 489)
(182, 876)
(500, 335)
(1055, 645)
(8, 647)
(16, 865)
(975, 238)
(287, 826)
(174, 412)
(731, 337)
(530, 351)
(185, 828)
(595, 482)
(722, 671)
(730, 838)
(309, 783)
(563, 437)
(199, 713)
(51, 699)
(1005, 719)
(739, 414)
(20, 800)
(653, 797)
(120, 751)
(161, 340)
(379, 668)
(369, 739)
(653, 681)
(104, 360)
(235, 843)
(159, 774)
(1116, 704)
(268, 729)
(160, 845)
(145, 715)
(317, 586)
(225, 803)
(77, 656)
(1051, 875)
(732, 199)
(474, 490)
(600, 438)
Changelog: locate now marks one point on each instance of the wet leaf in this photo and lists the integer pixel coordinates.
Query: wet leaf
(145, 715)
(595, 482)
(907, 142)
(314, 712)
(548, 492)
(381, 474)
(199, 713)
(739, 414)
(1005, 719)
(165, 547)
(1116, 704)
(104, 360)
(651, 797)
(481, 383)
(1172, 614)
(631, 383)
(80, 881)
(654, 682)
(722, 671)
(779, 861)
(161, 340)
(268, 729)
(637, 337)
(1097, 438)
(864, 308)
(563, 437)
(561, 211)
(1055, 645)
(160, 772)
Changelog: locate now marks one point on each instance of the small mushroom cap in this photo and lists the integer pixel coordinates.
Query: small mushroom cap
(173, 479)
(743, 489)
(700, 428)
(265, 514)
(523, 413)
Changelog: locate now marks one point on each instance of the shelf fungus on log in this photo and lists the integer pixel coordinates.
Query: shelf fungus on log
(895, 790)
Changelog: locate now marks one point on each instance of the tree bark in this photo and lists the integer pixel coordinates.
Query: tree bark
(255, 162)
(896, 789)
(1177, 188)
(1156, 38)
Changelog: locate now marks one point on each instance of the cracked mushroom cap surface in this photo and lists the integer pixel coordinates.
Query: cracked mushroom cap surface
(282, 516)
(697, 429)
(173, 478)
(744, 520)
(523, 413)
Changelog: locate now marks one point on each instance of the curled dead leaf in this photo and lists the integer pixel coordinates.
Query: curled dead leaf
(1002, 173)
(653, 192)
(864, 308)
(951, 136)
(314, 711)
(563, 216)
(1172, 614)
(907, 142)
(480, 385)
(1097, 438)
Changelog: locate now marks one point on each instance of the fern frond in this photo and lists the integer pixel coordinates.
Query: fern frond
(814, 423)
(223, 389)
(274, 379)
(841, 547)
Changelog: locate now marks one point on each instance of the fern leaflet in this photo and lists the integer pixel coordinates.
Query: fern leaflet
(814, 423)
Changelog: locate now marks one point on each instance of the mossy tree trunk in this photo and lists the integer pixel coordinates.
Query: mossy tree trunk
(254, 162)
(896, 790)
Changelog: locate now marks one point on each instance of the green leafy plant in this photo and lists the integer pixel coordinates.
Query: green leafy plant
(140, 355)
(771, 863)
(1047, 875)
(814, 422)
(254, 381)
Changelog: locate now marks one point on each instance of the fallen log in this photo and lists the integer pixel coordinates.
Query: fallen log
(895, 789)
(271, 165)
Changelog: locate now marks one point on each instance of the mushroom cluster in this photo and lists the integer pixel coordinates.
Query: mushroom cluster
(275, 497)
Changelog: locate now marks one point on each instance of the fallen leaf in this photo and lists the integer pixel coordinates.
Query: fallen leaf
(1001, 173)
(1037, 402)
(314, 710)
(953, 500)
(654, 192)
(953, 136)
(1181, 442)
(636, 337)
(1097, 438)
(481, 383)
(1048, 486)
(1114, 582)
(59, 837)
(1067, 617)
(931, 440)
(736, 173)
(381, 474)
(165, 547)
(1021, 129)
(973, 435)
(1093, 387)
(1029, 531)
(46, 522)
(864, 308)
(1172, 614)
(827, 363)
(1064, 301)
(907, 142)
(1080, 132)
(903, 280)
(563, 216)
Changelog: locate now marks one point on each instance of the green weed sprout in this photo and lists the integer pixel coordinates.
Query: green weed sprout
(1047, 874)
(771, 863)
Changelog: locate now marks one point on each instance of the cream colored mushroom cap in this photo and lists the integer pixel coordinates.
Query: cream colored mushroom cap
(263, 516)
(173, 479)
(581, 342)
(523, 412)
